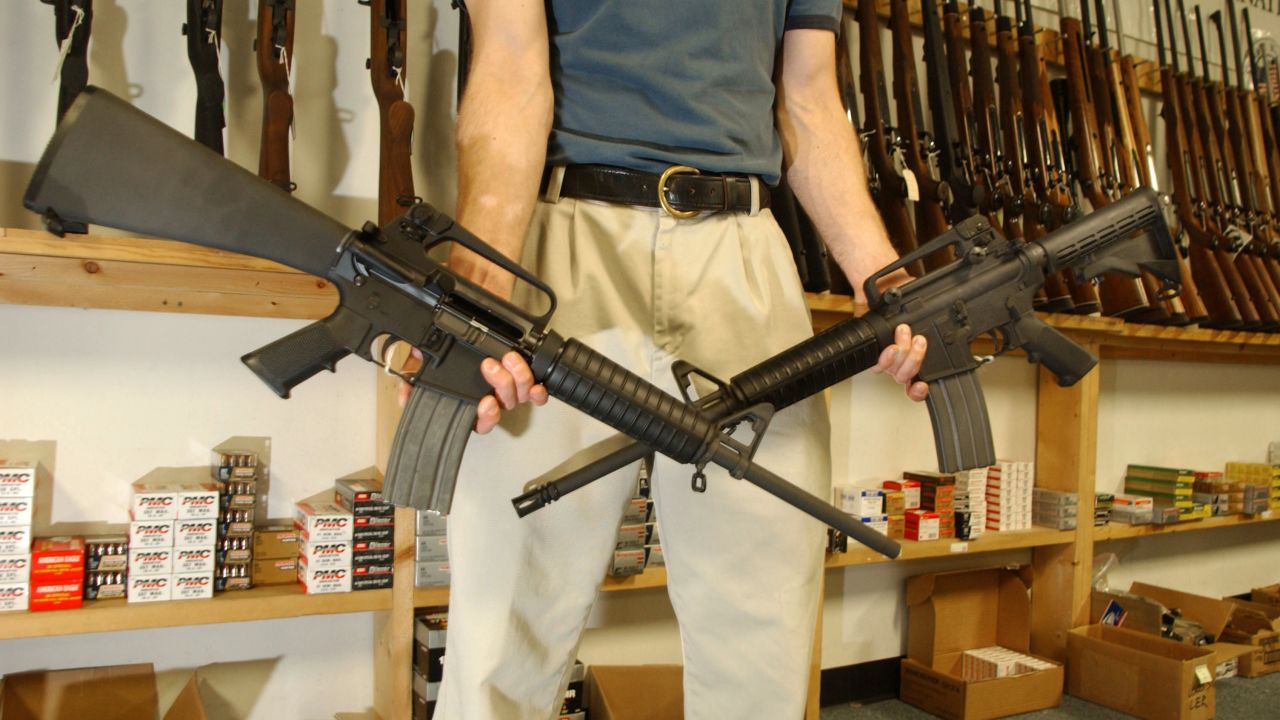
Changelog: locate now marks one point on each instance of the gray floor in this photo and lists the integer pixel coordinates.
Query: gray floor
(1241, 698)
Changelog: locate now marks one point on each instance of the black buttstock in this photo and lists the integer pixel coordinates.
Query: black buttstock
(111, 164)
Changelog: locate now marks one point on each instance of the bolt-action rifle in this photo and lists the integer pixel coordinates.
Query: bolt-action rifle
(988, 146)
(203, 29)
(1093, 143)
(1225, 298)
(954, 113)
(386, 64)
(111, 164)
(1267, 119)
(880, 139)
(273, 48)
(72, 23)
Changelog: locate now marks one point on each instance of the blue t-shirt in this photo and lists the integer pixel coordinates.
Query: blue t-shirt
(649, 84)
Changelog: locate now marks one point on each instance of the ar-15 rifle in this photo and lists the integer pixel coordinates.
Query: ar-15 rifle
(203, 29)
(917, 146)
(1093, 142)
(111, 164)
(274, 49)
(1221, 288)
(386, 63)
(880, 139)
(72, 23)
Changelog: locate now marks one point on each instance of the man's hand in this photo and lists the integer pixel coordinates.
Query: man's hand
(511, 379)
(902, 361)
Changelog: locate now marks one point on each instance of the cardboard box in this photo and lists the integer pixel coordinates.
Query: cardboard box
(635, 692)
(116, 692)
(16, 512)
(949, 613)
(1230, 620)
(1269, 595)
(1140, 674)
(15, 598)
(15, 540)
(17, 480)
(275, 541)
(319, 520)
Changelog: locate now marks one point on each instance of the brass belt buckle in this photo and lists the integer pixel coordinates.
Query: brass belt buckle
(662, 191)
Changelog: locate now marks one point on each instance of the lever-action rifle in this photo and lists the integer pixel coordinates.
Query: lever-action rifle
(111, 164)
(273, 48)
(203, 29)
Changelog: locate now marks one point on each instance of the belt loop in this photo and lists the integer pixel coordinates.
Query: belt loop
(554, 182)
(755, 195)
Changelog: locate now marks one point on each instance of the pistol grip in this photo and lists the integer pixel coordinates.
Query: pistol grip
(427, 450)
(961, 426)
(303, 353)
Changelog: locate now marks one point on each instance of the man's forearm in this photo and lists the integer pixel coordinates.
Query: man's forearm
(503, 122)
(823, 161)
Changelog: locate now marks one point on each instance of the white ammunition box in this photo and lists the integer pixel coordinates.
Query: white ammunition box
(198, 503)
(16, 512)
(17, 481)
(193, 561)
(636, 511)
(879, 523)
(319, 520)
(150, 534)
(15, 569)
(15, 540)
(151, 561)
(630, 536)
(319, 581)
(195, 533)
(325, 555)
(160, 503)
(192, 586)
(15, 597)
(432, 548)
(627, 562)
(150, 588)
(654, 556)
(858, 501)
(432, 523)
(431, 574)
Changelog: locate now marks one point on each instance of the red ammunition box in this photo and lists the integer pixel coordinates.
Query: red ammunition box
(910, 491)
(61, 595)
(57, 559)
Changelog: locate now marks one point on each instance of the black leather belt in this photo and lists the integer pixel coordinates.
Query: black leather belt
(687, 191)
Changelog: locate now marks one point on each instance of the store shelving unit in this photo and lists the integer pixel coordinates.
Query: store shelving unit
(146, 274)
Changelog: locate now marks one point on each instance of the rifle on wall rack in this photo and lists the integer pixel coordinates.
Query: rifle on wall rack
(72, 25)
(989, 150)
(203, 29)
(386, 64)
(273, 48)
(881, 140)
(1267, 119)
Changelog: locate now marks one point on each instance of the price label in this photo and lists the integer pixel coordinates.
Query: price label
(913, 185)
(959, 547)
(1203, 674)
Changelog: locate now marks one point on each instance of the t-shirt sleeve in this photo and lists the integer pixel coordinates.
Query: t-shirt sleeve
(813, 15)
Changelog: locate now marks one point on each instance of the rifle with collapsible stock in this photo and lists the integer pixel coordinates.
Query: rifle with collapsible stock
(111, 164)
(880, 139)
(273, 48)
(203, 29)
(386, 64)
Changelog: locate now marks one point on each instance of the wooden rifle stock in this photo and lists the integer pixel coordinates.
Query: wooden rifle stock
(273, 48)
(962, 103)
(1013, 125)
(890, 188)
(931, 220)
(387, 70)
(989, 153)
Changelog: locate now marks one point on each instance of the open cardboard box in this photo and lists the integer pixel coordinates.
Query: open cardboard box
(113, 692)
(1229, 621)
(1140, 674)
(949, 613)
(635, 692)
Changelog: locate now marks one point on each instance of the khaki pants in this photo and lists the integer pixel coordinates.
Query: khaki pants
(721, 292)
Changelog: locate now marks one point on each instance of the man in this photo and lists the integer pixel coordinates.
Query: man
(574, 116)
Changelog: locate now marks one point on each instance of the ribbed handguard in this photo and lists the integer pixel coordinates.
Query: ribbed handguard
(427, 450)
(594, 384)
(833, 355)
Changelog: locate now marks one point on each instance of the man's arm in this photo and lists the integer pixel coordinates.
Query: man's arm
(822, 160)
(504, 119)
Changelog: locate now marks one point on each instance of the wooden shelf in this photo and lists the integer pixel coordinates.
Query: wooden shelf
(1120, 531)
(989, 542)
(261, 603)
(129, 273)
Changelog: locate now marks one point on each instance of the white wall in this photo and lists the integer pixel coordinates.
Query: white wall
(121, 392)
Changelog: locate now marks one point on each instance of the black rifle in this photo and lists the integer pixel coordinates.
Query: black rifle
(203, 29)
(112, 164)
(955, 166)
(72, 23)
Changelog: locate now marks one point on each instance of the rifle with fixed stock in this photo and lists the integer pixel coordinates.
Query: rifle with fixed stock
(72, 24)
(989, 163)
(203, 29)
(386, 64)
(1268, 114)
(273, 48)
(111, 164)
